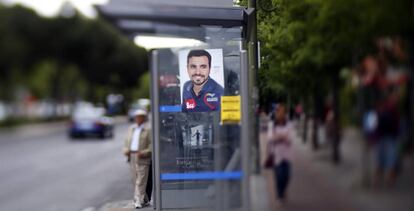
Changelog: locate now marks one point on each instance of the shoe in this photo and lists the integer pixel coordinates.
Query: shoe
(138, 205)
(280, 203)
(145, 204)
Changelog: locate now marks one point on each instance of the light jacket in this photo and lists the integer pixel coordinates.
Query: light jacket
(145, 143)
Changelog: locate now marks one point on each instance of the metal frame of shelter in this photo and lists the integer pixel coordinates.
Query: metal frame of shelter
(147, 19)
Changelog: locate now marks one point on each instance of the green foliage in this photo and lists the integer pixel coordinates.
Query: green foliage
(39, 80)
(348, 96)
(143, 89)
(305, 42)
(65, 58)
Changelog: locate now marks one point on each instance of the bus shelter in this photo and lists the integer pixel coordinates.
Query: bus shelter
(201, 138)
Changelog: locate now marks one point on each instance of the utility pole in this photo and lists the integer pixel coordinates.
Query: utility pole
(253, 71)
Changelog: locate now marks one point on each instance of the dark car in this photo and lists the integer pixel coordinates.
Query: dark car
(90, 121)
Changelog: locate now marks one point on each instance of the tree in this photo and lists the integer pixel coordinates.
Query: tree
(305, 43)
(143, 90)
(86, 53)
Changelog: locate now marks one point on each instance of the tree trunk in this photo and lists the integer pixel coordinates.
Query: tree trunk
(56, 92)
(336, 155)
(305, 128)
(306, 120)
(315, 125)
(410, 95)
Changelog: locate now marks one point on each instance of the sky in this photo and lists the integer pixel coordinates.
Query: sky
(52, 7)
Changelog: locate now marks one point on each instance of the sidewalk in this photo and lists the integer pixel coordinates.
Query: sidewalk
(308, 189)
(260, 201)
(126, 205)
(317, 184)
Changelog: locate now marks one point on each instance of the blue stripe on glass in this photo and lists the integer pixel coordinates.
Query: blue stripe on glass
(175, 108)
(234, 175)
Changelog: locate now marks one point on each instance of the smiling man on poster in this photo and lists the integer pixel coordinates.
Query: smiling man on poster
(201, 93)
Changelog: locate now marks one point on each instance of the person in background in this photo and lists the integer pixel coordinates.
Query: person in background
(280, 137)
(138, 149)
(387, 144)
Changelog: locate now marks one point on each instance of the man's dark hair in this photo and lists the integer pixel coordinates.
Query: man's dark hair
(198, 53)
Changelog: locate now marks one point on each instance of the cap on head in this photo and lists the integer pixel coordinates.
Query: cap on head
(140, 112)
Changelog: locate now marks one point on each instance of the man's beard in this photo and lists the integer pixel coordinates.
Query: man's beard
(198, 79)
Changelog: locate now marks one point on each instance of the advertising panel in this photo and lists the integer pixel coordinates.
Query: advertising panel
(201, 79)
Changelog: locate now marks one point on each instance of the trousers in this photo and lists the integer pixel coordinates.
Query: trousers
(282, 177)
(139, 175)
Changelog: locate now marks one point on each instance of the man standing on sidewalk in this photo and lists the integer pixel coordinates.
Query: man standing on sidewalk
(138, 149)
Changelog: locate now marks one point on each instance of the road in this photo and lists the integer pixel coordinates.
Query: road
(42, 169)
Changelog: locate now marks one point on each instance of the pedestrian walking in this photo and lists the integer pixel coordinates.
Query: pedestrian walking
(138, 149)
(387, 145)
(280, 136)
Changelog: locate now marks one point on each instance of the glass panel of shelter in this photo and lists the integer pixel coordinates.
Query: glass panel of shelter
(199, 157)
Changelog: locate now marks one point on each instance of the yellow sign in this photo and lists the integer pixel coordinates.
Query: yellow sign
(230, 109)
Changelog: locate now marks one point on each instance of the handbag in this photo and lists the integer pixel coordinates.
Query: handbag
(269, 162)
